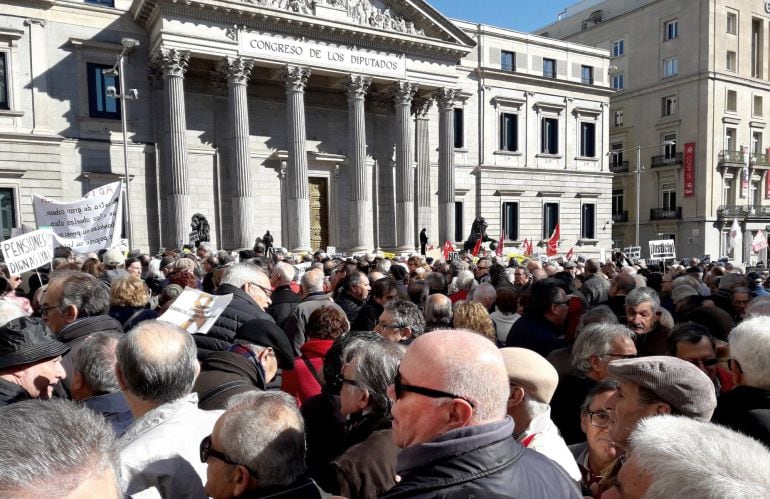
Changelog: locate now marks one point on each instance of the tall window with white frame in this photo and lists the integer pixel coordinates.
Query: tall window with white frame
(7, 210)
(509, 132)
(618, 81)
(670, 67)
(668, 105)
(588, 221)
(618, 117)
(587, 139)
(756, 142)
(616, 154)
(730, 139)
(757, 108)
(101, 105)
(757, 44)
(4, 94)
(669, 145)
(549, 68)
(507, 60)
(550, 219)
(671, 30)
(510, 218)
(731, 104)
(731, 63)
(668, 197)
(549, 135)
(618, 48)
(587, 75)
(617, 206)
(732, 23)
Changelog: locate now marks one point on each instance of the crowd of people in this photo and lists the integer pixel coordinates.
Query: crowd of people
(368, 376)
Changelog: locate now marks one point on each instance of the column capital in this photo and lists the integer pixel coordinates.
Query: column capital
(295, 77)
(445, 97)
(421, 106)
(403, 91)
(173, 62)
(236, 69)
(356, 86)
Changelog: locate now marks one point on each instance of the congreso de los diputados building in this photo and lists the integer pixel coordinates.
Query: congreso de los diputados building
(345, 123)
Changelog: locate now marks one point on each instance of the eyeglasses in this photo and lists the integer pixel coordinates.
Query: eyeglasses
(44, 309)
(386, 326)
(400, 388)
(344, 381)
(267, 291)
(600, 419)
(621, 355)
(706, 362)
(565, 302)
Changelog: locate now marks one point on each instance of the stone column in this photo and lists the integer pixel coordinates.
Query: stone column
(360, 240)
(238, 71)
(298, 201)
(174, 175)
(422, 179)
(38, 73)
(446, 164)
(403, 91)
(223, 141)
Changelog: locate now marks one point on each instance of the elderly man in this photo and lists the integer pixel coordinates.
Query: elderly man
(596, 288)
(746, 407)
(533, 381)
(355, 291)
(257, 449)
(56, 449)
(313, 298)
(156, 370)
(260, 349)
(400, 321)
(486, 294)
(75, 306)
(521, 279)
(463, 284)
(643, 318)
(450, 420)
(283, 299)
(698, 460)
(540, 328)
(622, 284)
(30, 361)
(251, 290)
(694, 343)
(595, 347)
(383, 291)
(438, 312)
(95, 384)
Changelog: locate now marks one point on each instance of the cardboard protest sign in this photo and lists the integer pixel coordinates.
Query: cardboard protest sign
(88, 224)
(28, 251)
(664, 249)
(196, 311)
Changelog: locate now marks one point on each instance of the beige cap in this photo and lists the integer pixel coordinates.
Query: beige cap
(530, 370)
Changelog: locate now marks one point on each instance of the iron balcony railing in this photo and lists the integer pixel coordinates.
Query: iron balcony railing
(739, 210)
(619, 167)
(620, 217)
(738, 158)
(665, 214)
(666, 160)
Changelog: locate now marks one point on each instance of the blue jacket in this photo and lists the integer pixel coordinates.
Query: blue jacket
(481, 461)
(114, 408)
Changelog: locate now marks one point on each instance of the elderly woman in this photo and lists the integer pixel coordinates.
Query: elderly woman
(325, 325)
(128, 300)
(367, 467)
(474, 317)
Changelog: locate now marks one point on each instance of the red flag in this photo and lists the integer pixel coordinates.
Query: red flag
(499, 249)
(527, 248)
(476, 248)
(570, 253)
(553, 243)
(446, 249)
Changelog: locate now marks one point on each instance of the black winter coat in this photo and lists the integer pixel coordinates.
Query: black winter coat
(74, 334)
(350, 304)
(745, 409)
(284, 301)
(220, 337)
(232, 373)
(367, 316)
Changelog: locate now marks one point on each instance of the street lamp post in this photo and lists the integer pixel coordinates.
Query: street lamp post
(129, 44)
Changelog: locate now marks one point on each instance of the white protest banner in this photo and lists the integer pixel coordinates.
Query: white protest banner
(28, 251)
(88, 224)
(663, 249)
(759, 242)
(633, 253)
(196, 311)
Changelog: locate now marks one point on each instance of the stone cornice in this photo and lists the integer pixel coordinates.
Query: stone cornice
(498, 74)
(256, 17)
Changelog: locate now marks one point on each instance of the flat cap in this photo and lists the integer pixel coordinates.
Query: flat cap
(675, 381)
(681, 292)
(266, 333)
(530, 370)
(113, 257)
(27, 340)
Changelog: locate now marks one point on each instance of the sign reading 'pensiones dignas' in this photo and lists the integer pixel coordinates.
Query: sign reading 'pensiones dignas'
(312, 53)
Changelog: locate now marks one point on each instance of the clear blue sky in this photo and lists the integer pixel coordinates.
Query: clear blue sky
(521, 15)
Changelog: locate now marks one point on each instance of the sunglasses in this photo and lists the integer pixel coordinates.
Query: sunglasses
(206, 451)
(706, 362)
(621, 355)
(400, 388)
(344, 381)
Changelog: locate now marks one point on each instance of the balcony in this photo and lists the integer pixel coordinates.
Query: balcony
(666, 160)
(731, 158)
(759, 159)
(739, 211)
(665, 214)
(619, 167)
(620, 217)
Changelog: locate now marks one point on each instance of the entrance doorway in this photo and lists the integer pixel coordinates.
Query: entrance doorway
(319, 212)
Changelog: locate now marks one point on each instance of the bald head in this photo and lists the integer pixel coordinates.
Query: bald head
(438, 310)
(157, 362)
(313, 281)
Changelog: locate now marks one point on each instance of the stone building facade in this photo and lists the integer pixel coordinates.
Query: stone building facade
(696, 74)
(344, 123)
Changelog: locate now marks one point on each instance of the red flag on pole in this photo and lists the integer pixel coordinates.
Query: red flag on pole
(527, 248)
(499, 249)
(476, 248)
(446, 249)
(570, 253)
(553, 243)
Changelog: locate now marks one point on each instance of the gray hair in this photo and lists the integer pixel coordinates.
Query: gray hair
(264, 431)
(158, 361)
(406, 314)
(384, 265)
(374, 367)
(716, 461)
(598, 314)
(50, 446)
(464, 280)
(596, 339)
(438, 310)
(206, 245)
(485, 291)
(153, 270)
(686, 280)
(457, 266)
(96, 361)
(9, 311)
(84, 291)
(313, 281)
(241, 273)
(731, 280)
(643, 295)
(285, 272)
(750, 346)
(758, 306)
